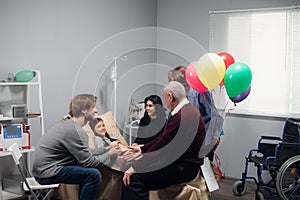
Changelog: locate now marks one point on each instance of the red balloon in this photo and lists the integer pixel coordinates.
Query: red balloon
(222, 83)
(192, 78)
(228, 59)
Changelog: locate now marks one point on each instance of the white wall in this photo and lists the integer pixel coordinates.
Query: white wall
(60, 38)
(191, 18)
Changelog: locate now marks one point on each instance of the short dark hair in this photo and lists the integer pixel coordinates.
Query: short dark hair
(81, 102)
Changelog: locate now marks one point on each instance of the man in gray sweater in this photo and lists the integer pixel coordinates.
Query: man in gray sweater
(62, 154)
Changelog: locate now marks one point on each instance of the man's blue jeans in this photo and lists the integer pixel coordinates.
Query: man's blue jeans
(88, 179)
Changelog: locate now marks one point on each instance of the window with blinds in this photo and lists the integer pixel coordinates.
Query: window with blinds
(269, 42)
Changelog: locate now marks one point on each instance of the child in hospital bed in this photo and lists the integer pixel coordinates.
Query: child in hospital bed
(110, 144)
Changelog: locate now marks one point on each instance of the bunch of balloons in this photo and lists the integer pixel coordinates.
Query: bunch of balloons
(213, 70)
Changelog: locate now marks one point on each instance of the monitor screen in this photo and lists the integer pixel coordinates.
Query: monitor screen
(13, 129)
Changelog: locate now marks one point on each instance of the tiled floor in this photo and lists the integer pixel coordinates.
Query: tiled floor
(225, 192)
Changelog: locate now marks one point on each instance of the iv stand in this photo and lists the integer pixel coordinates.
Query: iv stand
(114, 78)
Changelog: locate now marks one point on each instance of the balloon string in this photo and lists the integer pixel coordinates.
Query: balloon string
(215, 112)
(225, 110)
(229, 110)
(212, 110)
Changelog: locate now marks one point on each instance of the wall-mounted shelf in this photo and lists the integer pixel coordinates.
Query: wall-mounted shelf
(17, 119)
(19, 93)
(18, 83)
(8, 153)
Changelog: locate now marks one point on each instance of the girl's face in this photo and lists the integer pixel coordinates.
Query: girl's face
(150, 108)
(100, 129)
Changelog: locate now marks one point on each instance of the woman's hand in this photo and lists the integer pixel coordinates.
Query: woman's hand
(127, 175)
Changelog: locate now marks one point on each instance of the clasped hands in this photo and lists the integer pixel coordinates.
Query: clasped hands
(114, 149)
(134, 152)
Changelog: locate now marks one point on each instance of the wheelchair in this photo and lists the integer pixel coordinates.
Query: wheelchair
(278, 165)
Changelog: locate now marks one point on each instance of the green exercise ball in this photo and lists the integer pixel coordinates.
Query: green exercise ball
(24, 76)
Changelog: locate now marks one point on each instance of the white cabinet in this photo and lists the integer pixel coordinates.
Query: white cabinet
(14, 97)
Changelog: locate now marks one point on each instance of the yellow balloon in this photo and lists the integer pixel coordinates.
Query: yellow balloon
(211, 70)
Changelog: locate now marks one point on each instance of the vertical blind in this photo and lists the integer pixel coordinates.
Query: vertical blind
(268, 41)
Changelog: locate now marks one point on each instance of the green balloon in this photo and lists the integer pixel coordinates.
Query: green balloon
(24, 76)
(237, 78)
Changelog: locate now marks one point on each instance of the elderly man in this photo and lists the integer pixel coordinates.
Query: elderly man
(173, 157)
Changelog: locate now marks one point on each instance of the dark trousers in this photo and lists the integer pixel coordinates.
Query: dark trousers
(142, 183)
(87, 178)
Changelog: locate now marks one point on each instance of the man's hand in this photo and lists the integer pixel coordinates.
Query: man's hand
(134, 152)
(127, 175)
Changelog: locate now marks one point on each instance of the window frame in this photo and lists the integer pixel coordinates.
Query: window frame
(291, 29)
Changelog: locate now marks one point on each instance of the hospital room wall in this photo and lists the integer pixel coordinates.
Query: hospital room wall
(69, 41)
(191, 18)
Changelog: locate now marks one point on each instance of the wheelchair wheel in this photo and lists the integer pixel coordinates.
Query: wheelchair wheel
(259, 195)
(239, 188)
(288, 179)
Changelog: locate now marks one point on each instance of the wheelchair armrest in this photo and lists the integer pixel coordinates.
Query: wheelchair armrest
(290, 144)
(253, 151)
(271, 137)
